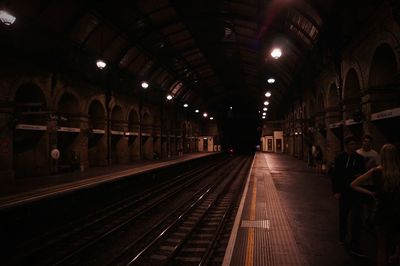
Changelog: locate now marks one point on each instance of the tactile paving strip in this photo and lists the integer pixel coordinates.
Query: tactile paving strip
(264, 236)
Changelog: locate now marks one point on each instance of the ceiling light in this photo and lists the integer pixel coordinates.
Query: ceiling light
(231, 107)
(197, 110)
(185, 105)
(211, 118)
(265, 109)
(6, 18)
(263, 117)
(276, 53)
(266, 102)
(205, 114)
(144, 85)
(264, 114)
(101, 64)
(271, 80)
(169, 97)
(268, 94)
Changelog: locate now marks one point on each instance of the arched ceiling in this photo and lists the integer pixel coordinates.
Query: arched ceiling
(208, 53)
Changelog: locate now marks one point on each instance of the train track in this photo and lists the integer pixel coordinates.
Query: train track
(56, 247)
(199, 233)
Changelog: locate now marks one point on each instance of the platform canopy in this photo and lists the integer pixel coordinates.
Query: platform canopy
(210, 54)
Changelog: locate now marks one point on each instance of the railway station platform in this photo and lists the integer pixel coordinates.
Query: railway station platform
(31, 189)
(288, 216)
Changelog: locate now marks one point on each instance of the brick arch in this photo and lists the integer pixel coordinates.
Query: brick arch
(65, 91)
(100, 99)
(133, 113)
(351, 85)
(332, 96)
(146, 118)
(383, 65)
(117, 115)
(97, 121)
(73, 98)
(40, 93)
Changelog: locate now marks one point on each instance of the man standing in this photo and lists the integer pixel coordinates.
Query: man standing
(348, 165)
(371, 157)
(371, 160)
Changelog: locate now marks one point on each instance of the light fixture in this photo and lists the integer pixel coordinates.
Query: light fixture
(101, 64)
(205, 114)
(144, 85)
(264, 114)
(211, 118)
(263, 117)
(197, 110)
(6, 18)
(266, 102)
(169, 97)
(271, 80)
(268, 94)
(265, 109)
(185, 105)
(230, 107)
(276, 53)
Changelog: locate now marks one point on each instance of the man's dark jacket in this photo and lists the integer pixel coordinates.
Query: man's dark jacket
(347, 167)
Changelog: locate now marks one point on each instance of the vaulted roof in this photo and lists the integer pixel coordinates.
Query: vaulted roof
(208, 53)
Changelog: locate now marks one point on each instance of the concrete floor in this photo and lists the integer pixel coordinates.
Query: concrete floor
(313, 213)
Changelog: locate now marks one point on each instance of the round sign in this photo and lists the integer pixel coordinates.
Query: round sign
(55, 154)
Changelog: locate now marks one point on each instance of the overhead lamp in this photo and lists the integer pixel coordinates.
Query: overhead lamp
(205, 114)
(268, 94)
(101, 64)
(264, 114)
(265, 109)
(197, 110)
(211, 118)
(263, 117)
(230, 107)
(144, 84)
(271, 80)
(169, 97)
(276, 53)
(266, 102)
(185, 105)
(6, 18)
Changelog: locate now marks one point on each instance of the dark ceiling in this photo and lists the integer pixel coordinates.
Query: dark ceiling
(210, 54)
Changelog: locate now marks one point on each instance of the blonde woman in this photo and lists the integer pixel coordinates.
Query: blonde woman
(386, 179)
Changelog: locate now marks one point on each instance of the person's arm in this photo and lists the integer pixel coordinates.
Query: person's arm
(361, 179)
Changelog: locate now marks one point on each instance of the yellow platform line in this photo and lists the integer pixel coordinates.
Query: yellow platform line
(250, 236)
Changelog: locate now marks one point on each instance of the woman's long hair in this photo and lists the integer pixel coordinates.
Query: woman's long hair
(390, 168)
